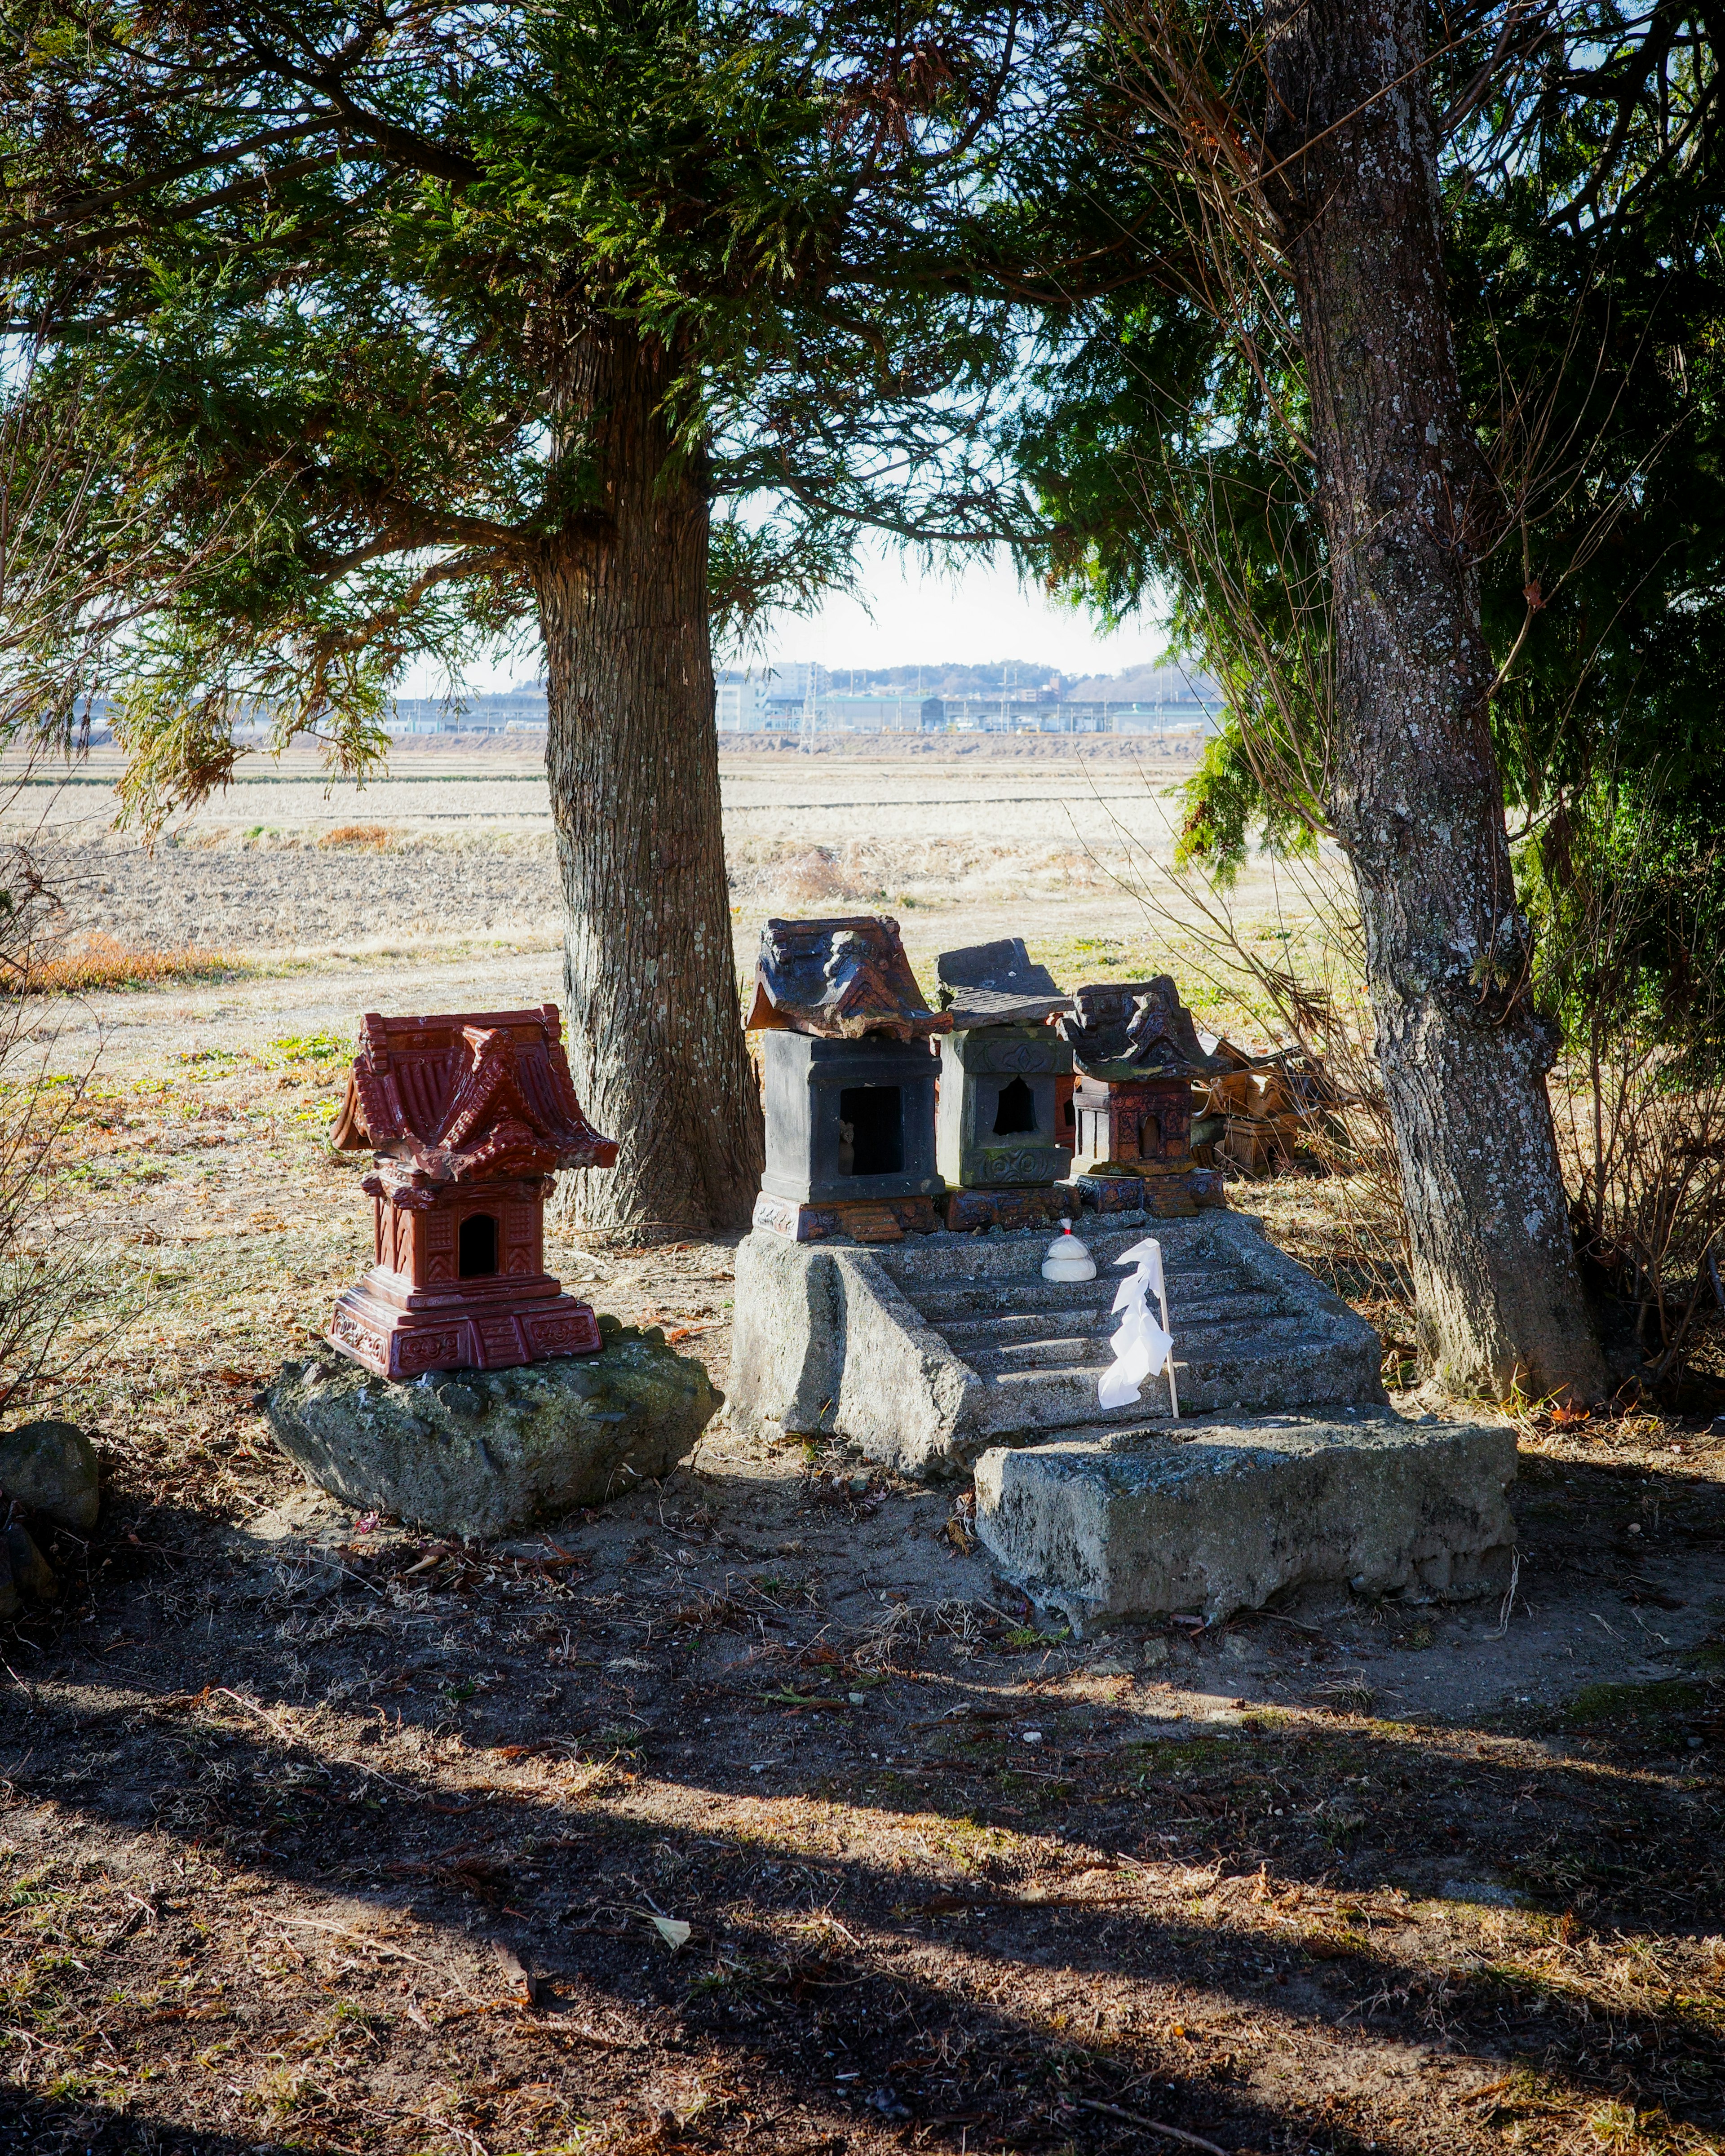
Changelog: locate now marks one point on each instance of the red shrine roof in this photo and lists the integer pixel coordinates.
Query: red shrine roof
(839, 979)
(467, 1095)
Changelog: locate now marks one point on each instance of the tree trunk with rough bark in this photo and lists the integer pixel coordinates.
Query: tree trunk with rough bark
(655, 1034)
(1418, 801)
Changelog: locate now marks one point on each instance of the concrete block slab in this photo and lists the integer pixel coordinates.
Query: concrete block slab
(1104, 1524)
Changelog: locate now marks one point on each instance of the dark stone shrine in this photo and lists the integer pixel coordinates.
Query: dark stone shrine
(848, 1119)
(1136, 1052)
(1000, 1120)
(848, 1081)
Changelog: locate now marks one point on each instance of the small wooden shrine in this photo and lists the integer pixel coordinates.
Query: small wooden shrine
(848, 1081)
(1004, 1125)
(469, 1115)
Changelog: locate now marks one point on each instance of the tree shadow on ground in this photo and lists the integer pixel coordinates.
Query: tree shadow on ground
(975, 1943)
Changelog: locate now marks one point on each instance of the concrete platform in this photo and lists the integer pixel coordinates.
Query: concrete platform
(927, 1352)
(1103, 1524)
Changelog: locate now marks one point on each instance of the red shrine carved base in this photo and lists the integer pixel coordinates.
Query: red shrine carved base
(491, 1325)
(416, 1310)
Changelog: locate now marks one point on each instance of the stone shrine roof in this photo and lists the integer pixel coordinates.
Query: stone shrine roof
(839, 979)
(997, 984)
(466, 1095)
(1126, 1029)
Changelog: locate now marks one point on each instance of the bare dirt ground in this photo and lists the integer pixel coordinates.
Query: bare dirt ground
(317, 1835)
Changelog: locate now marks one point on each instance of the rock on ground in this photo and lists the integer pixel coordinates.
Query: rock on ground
(479, 1453)
(51, 1467)
(31, 1575)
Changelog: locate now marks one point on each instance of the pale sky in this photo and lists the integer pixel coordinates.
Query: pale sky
(984, 613)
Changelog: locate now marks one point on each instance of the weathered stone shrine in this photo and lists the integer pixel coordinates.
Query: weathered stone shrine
(468, 1114)
(848, 1081)
(1136, 1053)
(948, 1350)
(1002, 1116)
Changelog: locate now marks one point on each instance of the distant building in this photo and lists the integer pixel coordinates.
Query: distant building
(784, 704)
(867, 712)
(522, 708)
(778, 699)
(998, 716)
(740, 708)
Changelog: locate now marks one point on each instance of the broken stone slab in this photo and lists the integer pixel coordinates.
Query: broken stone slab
(1103, 1524)
(477, 1453)
(926, 1352)
(989, 984)
(51, 1467)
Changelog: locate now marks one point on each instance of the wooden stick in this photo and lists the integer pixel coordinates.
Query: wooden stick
(1152, 2126)
(1173, 1391)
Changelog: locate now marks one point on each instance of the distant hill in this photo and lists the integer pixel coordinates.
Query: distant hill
(1000, 677)
(1145, 685)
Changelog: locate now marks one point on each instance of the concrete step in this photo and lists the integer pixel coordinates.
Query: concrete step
(987, 1297)
(1210, 1357)
(1082, 1351)
(825, 1339)
(1214, 1351)
(1252, 1312)
(1059, 1389)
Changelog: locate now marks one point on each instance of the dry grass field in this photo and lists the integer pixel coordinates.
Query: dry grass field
(314, 895)
(318, 1835)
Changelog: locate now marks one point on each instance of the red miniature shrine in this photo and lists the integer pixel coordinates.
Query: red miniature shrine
(468, 1115)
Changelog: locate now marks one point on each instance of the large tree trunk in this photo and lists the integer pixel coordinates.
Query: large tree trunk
(655, 1030)
(1418, 801)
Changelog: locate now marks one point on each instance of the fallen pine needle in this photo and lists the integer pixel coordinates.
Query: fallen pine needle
(251, 1707)
(1152, 2125)
(572, 2035)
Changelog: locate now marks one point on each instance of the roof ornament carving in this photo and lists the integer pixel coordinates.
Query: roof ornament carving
(839, 979)
(1127, 1030)
(464, 1097)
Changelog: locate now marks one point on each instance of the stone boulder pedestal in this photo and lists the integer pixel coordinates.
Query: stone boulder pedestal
(480, 1453)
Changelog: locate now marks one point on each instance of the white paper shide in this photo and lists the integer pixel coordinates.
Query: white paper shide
(1143, 1346)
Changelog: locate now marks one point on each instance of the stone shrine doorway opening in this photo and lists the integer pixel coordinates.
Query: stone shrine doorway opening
(477, 1249)
(1015, 1109)
(876, 1117)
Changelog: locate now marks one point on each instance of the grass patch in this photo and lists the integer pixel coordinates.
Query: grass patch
(1674, 1698)
(359, 837)
(312, 1047)
(104, 962)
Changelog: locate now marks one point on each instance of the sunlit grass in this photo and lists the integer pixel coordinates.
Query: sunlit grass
(104, 961)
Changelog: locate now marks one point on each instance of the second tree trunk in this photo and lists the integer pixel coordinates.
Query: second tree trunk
(1417, 799)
